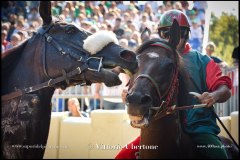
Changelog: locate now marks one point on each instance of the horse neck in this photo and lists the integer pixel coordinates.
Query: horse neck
(164, 133)
(27, 71)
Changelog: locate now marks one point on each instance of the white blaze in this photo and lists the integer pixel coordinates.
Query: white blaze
(152, 55)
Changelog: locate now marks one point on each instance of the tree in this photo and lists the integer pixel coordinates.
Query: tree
(224, 32)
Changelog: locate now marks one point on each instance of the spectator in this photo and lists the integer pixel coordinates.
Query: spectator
(15, 40)
(93, 103)
(177, 5)
(33, 15)
(94, 29)
(86, 25)
(148, 10)
(11, 30)
(5, 43)
(117, 25)
(196, 36)
(123, 42)
(210, 48)
(74, 108)
(23, 35)
(168, 5)
(112, 103)
(137, 37)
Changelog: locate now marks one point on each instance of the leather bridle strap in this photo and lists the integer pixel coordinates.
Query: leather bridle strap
(37, 87)
(153, 82)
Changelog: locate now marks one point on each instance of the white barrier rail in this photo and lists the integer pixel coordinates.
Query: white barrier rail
(222, 109)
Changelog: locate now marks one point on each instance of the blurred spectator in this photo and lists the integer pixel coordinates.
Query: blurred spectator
(148, 10)
(112, 103)
(121, 6)
(97, 12)
(33, 15)
(67, 15)
(86, 25)
(168, 5)
(4, 41)
(127, 34)
(201, 6)
(118, 24)
(196, 36)
(177, 5)
(74, 108)
(154, 5)
(210, 48)
(15, 40)
(119, 33)
(103, 9)
(137, 37)
(11, 30)
(89, 8)
(56, 8)
(94, 29)
(123, 42)
(23, 35)
(126, 17)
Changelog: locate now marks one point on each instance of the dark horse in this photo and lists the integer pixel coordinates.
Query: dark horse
(57, 56)
(154, 92)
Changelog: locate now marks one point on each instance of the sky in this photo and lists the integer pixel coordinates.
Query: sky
(218, 7)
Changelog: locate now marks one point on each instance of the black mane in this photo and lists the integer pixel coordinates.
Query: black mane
(146, 44)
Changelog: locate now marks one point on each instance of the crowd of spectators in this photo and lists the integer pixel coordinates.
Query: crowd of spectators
(126, 19)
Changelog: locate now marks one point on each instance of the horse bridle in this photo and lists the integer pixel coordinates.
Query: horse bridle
(163, 109)
(52, 81)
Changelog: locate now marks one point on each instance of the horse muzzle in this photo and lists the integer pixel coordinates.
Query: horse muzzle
(139, 121)
(115, 55)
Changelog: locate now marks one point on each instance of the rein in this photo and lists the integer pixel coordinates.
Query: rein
(37, 87)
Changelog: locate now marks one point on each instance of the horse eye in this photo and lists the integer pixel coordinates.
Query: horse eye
(70, 30)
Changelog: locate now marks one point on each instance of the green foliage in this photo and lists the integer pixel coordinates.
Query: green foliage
(224, 32)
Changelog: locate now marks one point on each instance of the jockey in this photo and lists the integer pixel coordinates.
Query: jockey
(206, 78)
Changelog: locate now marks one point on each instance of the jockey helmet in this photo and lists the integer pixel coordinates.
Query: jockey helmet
(166, 21)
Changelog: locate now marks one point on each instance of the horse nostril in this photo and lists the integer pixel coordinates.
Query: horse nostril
(146, 99)
(128, 55)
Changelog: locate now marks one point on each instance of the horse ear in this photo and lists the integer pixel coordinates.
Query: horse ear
(175, 32)
(145, 36)
(45, 12)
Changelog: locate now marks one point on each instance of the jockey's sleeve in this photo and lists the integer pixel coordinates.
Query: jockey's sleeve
(129, 152)
(214, 77)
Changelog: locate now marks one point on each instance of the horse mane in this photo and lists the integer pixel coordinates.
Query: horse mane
(183, 91)
(184, 81)
(145, 44)
(10, 57)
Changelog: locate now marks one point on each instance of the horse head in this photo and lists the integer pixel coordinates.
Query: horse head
(154, 87)
(69, 47)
